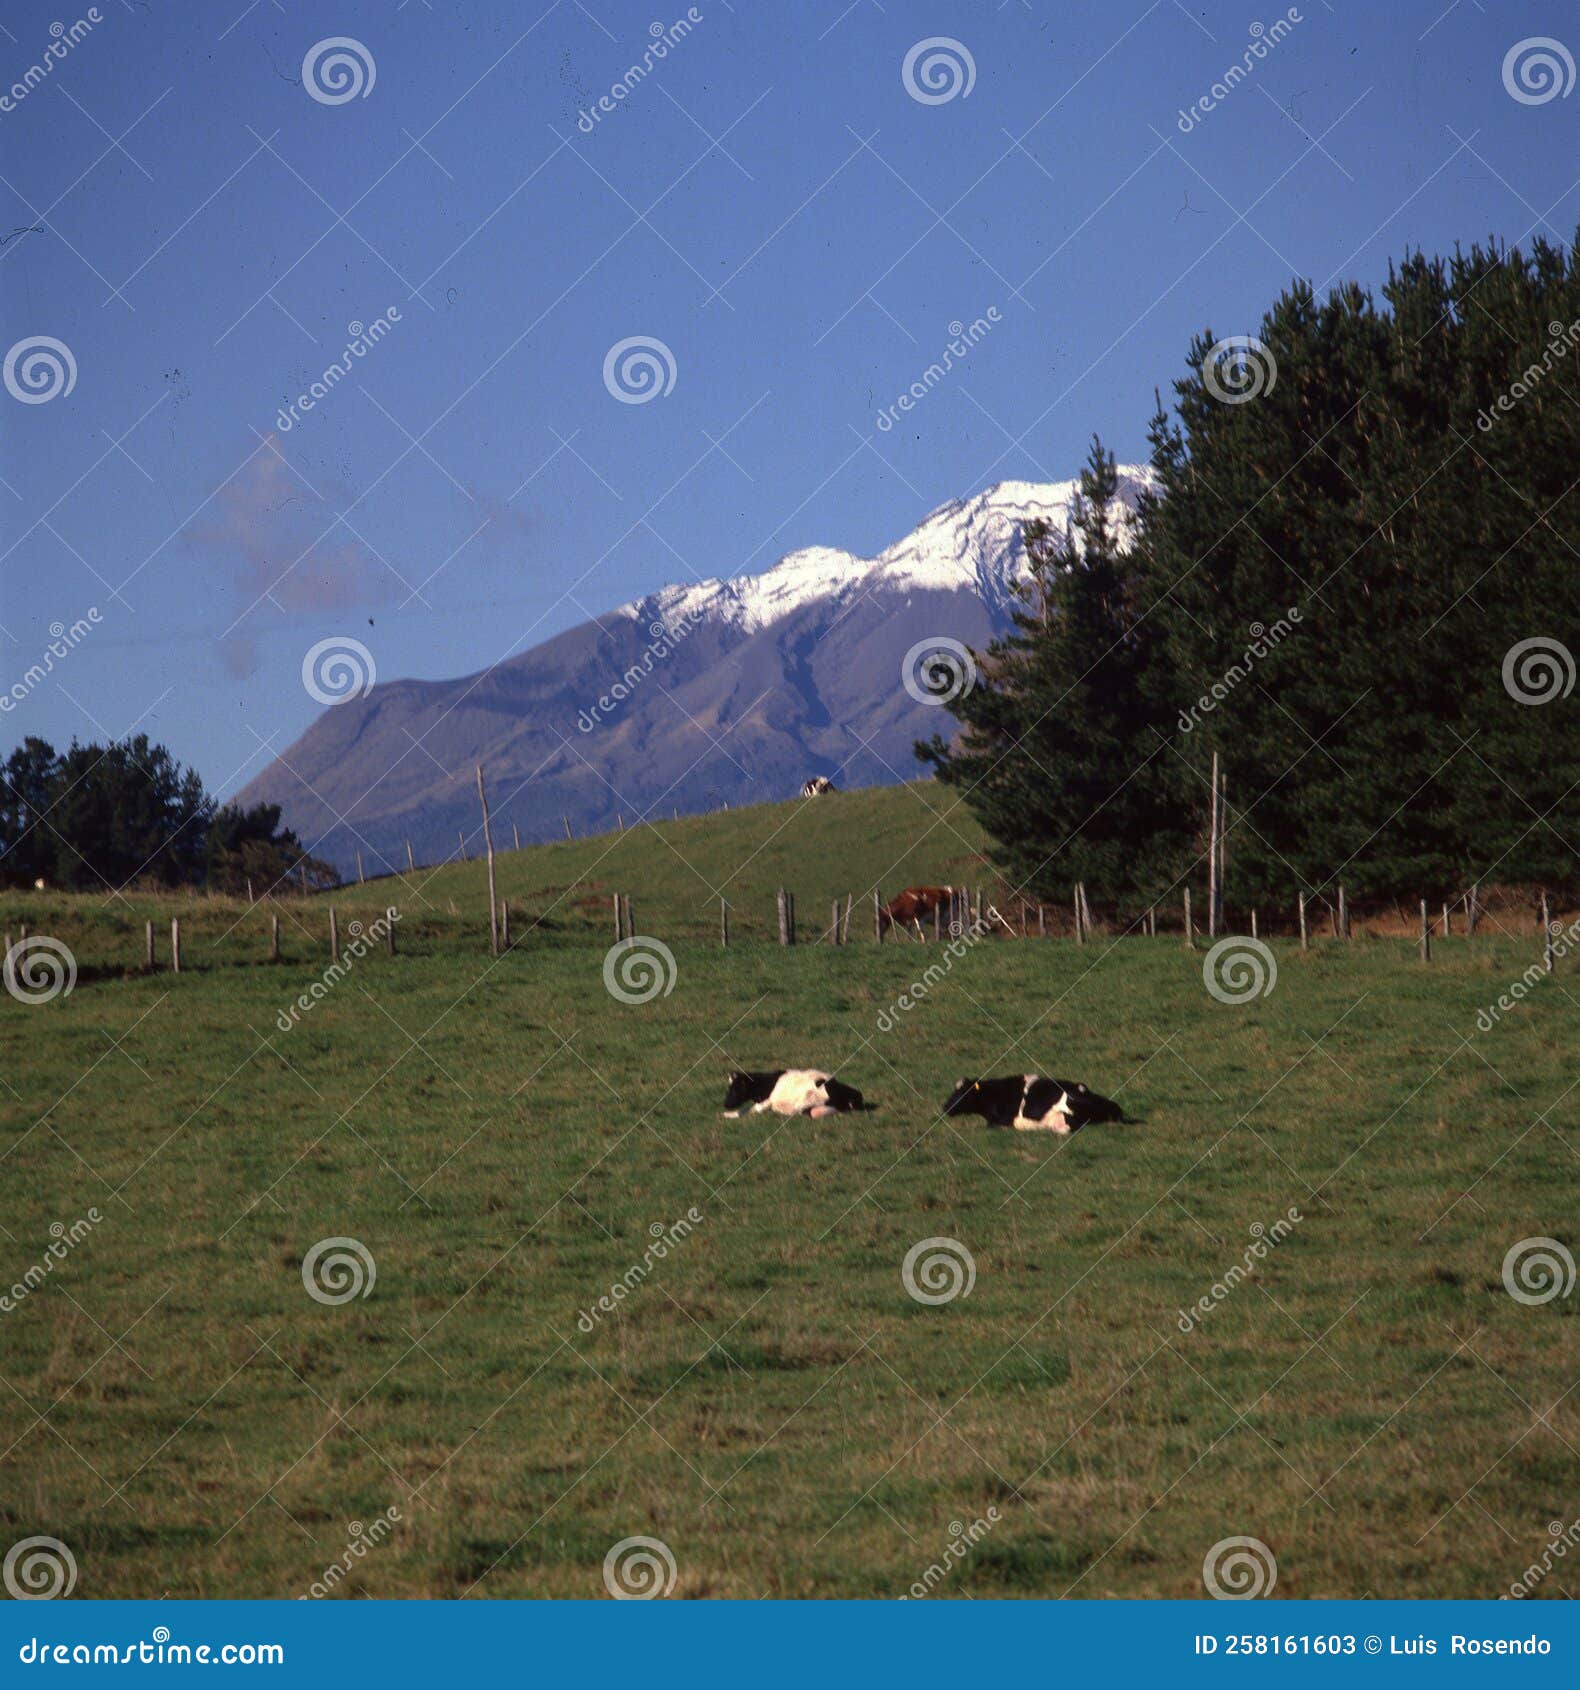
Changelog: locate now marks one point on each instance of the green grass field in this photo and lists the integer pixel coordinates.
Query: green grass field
(768, 1400)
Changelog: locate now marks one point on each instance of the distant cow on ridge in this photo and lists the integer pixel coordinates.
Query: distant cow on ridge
(817, 786)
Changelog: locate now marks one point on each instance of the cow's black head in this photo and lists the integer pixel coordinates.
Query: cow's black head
(743, 1088)
(842, 1097)
(1087, 1106)
(965, 1099)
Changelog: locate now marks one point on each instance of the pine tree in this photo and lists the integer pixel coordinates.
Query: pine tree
(1064, 756)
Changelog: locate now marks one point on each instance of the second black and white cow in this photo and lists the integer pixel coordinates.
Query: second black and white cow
(1030, 1103)
(789, 1091)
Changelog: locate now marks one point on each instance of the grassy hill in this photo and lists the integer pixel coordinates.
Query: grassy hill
(507, 1141)
(674, 872)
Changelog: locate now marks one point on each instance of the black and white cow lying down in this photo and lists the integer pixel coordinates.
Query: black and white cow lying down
(1032, 1104)
(789, 1091)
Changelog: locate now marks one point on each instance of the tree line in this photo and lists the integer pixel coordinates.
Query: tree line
(127, 813)
(1355, 576)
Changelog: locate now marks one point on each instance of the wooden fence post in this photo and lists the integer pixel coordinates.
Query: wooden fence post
(1080, 928)
(175, 944)
(1426, 934)
(1190, 931)
(784, 917)
(250, 898)
(411, 861)
(1305, 943)
(630, 922)
(1253, 924)
(389, 928)
(1344, 914)
(1472, 908)
(1212, 855)
(274, 938)
(938, 921)
(619, 920)
(567, 821)
(334, 935)
(515, 833)
(1447, 930)
(844, 924)
(724, 924)
(148, 944)
(362, 879)
(504, 924)
(488, 846)
(1547, 936)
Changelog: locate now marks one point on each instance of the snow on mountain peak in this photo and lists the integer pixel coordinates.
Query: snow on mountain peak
(972, 543)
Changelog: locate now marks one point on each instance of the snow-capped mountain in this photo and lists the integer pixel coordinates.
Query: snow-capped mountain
(967, 545)
(732, 690)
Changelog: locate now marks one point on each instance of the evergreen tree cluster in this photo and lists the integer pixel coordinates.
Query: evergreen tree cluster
(1356, 578)
(109, 816)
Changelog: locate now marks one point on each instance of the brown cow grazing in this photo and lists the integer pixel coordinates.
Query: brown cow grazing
(914, 903)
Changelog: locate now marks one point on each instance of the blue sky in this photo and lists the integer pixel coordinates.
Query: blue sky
(770, 202)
